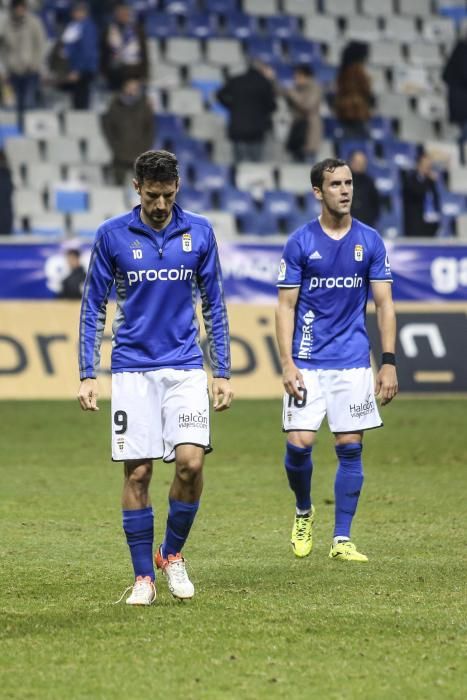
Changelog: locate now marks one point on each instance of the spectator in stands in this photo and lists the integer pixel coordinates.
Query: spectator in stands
(24, 51)
(455, 76)
(124, 52)
(72, 285)
(304, 98)
(75, 57)
(354, 98)
(6, 196)
(250, 99)
(421, 199)
(128, 126)
(366, 203)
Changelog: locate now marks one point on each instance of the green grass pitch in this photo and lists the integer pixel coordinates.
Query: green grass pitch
(262, 624)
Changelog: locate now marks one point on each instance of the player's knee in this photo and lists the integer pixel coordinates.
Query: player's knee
(190, 469)
(138, 473)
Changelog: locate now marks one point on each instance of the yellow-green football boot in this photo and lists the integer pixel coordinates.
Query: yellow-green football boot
(302, 534)
(346, 551)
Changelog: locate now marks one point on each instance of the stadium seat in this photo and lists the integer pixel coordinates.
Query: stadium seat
(40, 176)
(7, 131)
(161, 25)
(183, 51)
(241, 26)
(378, 8)
(41, 123)
(385, 53)
(185, 101)
(236, 202)
(194, 199)
(168, 125)
(401, 153)
(458, 179)
(62, 150)
(8, 117)
(453, 204)
(312, 206)
(51, 224)
(346, 147)
(279, 203)
(302, 8)
(296, 219)
(97, 150)
(203, 71)
(208, 89)
(223, 224)
(224, 52)
(80, 123)
(202, 25)
(381, 128)
(107, 201)
(259, 223)
(281, 26)
(85, 224)
(461, 227)
(165, 75)
(68, 198)
(321, 28)
(385, 176)
(207, 127)
(261, 7)
(415, 8)
(294, 177)
(303, 51)
(425, 54)
(266, 49)
(85, 173)
(441, 30)
(255, 178)
(223, 7)
(340, 9)
(27, 202)
(392, 105)
(189, 151)
(181, 7)
(399, 28)
(210, 177)
(22, 149)
(362, 29)
(414, 128)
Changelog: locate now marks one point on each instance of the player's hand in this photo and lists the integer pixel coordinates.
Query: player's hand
(222, 394)
(386, 384)
(87, 395)
(293, 382)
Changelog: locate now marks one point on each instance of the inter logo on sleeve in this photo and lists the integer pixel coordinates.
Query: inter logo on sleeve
(282, 270)
(186, 242)
(358, 253)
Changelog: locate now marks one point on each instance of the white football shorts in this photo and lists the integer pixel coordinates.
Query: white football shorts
(345, 396)
(153, 412)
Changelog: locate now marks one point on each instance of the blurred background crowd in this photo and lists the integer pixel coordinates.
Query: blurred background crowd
(248, 94)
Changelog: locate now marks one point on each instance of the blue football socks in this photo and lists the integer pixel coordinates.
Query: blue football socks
(138, 526)
(298, 467)
(347, 486)
(179, 521)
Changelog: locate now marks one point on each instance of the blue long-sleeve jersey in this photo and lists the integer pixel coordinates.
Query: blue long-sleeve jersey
(157, 280)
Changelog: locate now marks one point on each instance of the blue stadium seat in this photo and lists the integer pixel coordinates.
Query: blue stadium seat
(202, 25)
(236, 202)
(282, 26)
(8, 130)
(325, 74)
(279, 203)
(295, 220)
(390, 223)
(168, 126)
(161, 25)
(312, 206)
(453, 204)
(259, 223)
(180, 7)
(241, 26)
(284, 73)
(303, 51)
(224, 7)
(189, 151)
(332, 128)
(211, 176)
(346, 147)
(381, 128)
(386, 176)
(194, 199)
(402, 153)
(267, 49)
(208, 88)
(69, 200)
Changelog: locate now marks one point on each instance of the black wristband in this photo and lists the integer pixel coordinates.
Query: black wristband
(389, 358)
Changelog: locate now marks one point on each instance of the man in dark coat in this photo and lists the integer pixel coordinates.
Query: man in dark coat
(366, 203)
(421, 199)
(250, 99)
(128, 126)
(455, 77)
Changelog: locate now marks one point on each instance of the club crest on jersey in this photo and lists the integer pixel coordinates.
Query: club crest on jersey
(358, 253)
(282, 270)
(186, 242)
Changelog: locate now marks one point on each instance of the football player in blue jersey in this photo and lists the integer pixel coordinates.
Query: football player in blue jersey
(159, 257)
(325, 274)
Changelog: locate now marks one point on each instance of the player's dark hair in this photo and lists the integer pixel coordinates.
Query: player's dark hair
(156, 166)
(327, 165)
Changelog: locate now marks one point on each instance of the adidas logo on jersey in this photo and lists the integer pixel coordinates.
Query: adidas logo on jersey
(316, 256)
